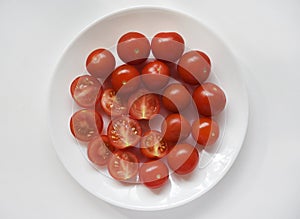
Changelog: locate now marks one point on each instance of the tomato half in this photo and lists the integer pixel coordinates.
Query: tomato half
(154, 174)
(209, 99)
(86, 90)
(112, 104)
(183, 158)
(123, 165)
(153, 145)
(133, 48)
(124, 132)
(100, 150)
(86, 124)
(205, 131)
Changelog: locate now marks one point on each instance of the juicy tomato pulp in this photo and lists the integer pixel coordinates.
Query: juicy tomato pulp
(205, 131)
(112, 104)
(153, 145)
(124, 132)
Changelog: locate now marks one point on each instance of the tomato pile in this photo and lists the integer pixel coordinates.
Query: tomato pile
(156, 77)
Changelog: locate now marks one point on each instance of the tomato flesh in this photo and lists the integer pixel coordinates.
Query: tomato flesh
(153, 145)
(112, 104)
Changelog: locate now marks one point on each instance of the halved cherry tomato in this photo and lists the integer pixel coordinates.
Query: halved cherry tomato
(86, 90)
(100, 150)
(112, 104)
(124, 132)
(153, 145)
(86, 124)
(123, 165)
(154, 174)
(205, 131)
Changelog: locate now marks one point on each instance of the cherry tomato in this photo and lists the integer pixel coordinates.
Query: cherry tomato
(205, 131)
(194, 67)
(209, 99)
(112, 104)
(86, 90)
(167, 46)
(155, 75)
(144, 107)
(124, 132)
(133, 48)
(153, 145)
(100, 63)
(154, 174)
(86, 124)
(100, 150)
(183, 158)
(123, 165)
(125, 77)
(175, 127)
(176, 97)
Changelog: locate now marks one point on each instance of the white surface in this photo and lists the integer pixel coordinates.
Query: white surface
(263, 182)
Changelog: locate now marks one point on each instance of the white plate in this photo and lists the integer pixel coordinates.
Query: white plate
(105, 33)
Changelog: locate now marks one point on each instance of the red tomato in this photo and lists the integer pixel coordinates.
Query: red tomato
(112, 104)
(123, 165)
(86, 124)
(155, 75)
(194, 67)
(144, 107)
(205, 131)
(125, 77)
(133, 48)
(100, 63)
(100, 150)
(175, 127)
(154, 174)
(124, 132)
(153, 145)
(209, 99)
(167, 46)
(86, 90)
(176, 97)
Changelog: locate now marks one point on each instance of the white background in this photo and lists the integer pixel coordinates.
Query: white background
(264, 182)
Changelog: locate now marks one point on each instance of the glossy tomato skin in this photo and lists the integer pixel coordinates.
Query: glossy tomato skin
(176, 97)
(155, 75)
(133, 48)
(154, 174)
(194, 67)
(111, 104)
(86, 90)
(183, 158)
(209, 99)
(153, 145)
(123, 166)
(175, 127)
(205, 131)
(125, 79)
(167, 46)
(124, 132)
(86, 124)
(100, 150)
(100, 63)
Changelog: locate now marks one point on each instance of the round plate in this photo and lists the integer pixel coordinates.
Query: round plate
(213, 164)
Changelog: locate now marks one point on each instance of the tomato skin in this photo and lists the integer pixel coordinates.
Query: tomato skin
(111, 104)
(133, 48)
(167, 46)
(154, 174)
(155, 75)
(100, 63)
(100, 150)
(153, 145)
(85, 90)
(205, 131)
(86, 124)
(176, 97)
(123, 165)
(125, 79)
(175, 127)
(194, 67)
(183, 158)
(124, 132)
(209, 99)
